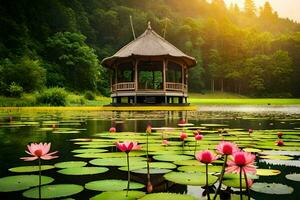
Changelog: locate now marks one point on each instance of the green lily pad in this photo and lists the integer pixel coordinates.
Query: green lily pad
(119, 195)
(277, 157)
(116, 161)
(33, 168)
(167, 196)
(234, 182)
(252, 150)
(112, 185)
(293, 177)
(89, 150)
(83, 170)
(70, 164)
(190, 178)
(21, 182)
(53, 191)
(267, 172)
(172, 158)
(152, 171)
(187, 162)
(200, 168)
(272, 188)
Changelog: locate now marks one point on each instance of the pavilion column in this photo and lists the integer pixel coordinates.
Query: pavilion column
(135, 79)
(164, 79)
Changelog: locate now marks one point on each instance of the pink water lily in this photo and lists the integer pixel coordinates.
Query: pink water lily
(280, 143)
(183, 136)
(226, 148)
(112, 130)
(39, 151)
(128, 146)
(206, 157)
(279, 134)
(165, 142)
(198, 137)
(242, 161)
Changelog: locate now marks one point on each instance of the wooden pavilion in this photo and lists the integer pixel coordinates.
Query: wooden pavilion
(149, 70)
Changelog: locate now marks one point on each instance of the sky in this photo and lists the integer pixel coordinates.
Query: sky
(285, 8)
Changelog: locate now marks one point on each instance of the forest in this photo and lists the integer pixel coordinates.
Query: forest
(60, 43)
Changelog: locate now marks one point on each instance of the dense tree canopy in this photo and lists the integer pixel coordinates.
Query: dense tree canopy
(251, 51)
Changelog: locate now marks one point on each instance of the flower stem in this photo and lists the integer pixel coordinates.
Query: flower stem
(241, 194)
(221, 177)
(247, 186)
(40, 179)
(148, 168)
(128, 175)
(206, 182)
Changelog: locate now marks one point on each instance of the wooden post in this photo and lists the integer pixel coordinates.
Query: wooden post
(135, 79)
(164, 74)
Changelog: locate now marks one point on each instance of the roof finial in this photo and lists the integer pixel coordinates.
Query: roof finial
(149, 25)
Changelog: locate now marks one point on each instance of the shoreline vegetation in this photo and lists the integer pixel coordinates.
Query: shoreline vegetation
(79, 102)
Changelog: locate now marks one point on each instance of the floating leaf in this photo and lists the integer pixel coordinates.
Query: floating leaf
(70, 164)
(288, 153)
(187, 162)
(151, 171)
(277, 157)
(235, 182)
(167, 196)
(252, 150)
(292, 163)
(116, 161)
(89, 150)
(112, 185)
(190, 178)
(119, 195)
(22, 182)
(272, 188)
(267, 172)
(293, 177)
(53, 191)
(33, 168)
(172, 158)
(200, 168)
(83, 170)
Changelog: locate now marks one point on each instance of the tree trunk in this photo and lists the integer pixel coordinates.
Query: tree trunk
(212, 85)
(222, 85)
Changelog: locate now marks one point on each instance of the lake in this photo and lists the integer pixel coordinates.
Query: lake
(74, 130)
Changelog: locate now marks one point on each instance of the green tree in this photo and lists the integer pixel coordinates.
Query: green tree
(77, 61)
(26, 73)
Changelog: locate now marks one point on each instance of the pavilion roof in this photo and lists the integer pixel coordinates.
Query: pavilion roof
(149, 44)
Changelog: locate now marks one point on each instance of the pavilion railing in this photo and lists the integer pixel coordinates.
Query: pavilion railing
(127, 86)
(123, 86)
(176, 86)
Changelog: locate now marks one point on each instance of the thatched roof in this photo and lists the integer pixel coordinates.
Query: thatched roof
(149, 44)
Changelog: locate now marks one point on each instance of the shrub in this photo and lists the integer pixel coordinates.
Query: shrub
(89, 95)
(53, 96)
(14, 90)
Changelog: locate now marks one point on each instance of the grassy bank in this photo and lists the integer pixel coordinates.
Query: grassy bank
(217, 98)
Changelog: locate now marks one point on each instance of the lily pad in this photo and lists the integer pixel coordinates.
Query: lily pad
(151, 171)
(272, 188)
(116, 161)
(33, 168)
(200, 168)
(187, 162)
(21, 182)
(53, 191)
(234, 182)
(172, 158)
(190, 178)
(252, 150)
(70, 164)
(89, 150)
(120, 195)
(167, 196)
(293, 177)
(267, 172)
(112, 185)
(83, 170)
(277, 157)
